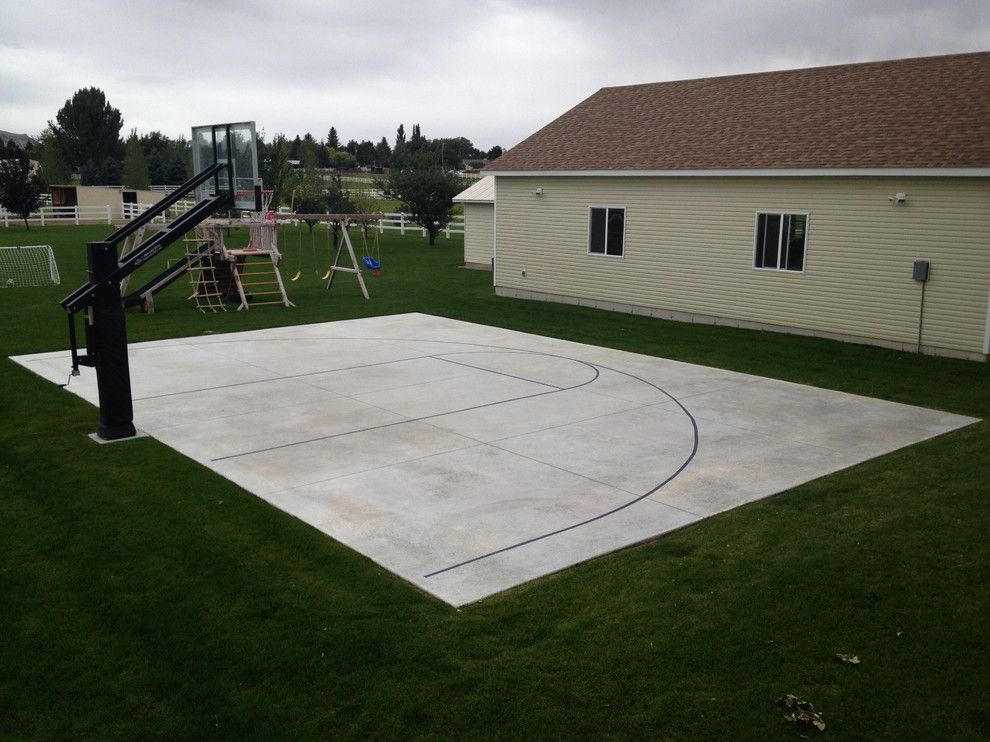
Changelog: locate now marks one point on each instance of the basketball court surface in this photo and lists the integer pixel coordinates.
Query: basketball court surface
(468, 459)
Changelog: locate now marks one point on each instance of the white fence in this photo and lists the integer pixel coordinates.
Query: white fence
(62, 215)
(105, 215)
(403, 223)
(49, 215)
(129, 211)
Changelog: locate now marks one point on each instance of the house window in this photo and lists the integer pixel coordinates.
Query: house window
(781, 241)
(606, 230)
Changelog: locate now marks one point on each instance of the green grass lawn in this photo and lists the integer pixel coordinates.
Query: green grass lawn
(142, 596)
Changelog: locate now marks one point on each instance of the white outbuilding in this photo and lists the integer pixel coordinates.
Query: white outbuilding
(479, 223)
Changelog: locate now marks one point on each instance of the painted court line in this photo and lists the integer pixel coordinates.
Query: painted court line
(549, 534)
(554, 390)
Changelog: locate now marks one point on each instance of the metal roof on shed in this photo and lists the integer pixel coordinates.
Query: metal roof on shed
(482, 192)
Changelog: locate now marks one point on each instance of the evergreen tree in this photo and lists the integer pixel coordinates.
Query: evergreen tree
(294, 149)
(156, 142)
(88, 128)
(135, 164)
(308, 154)
(110, 172)
(88, 174)
(176, 174)
(333, 142)
(417, 142)
(365, 153)
(401, 152)
(262, 150)
(156, 168)
(383, 153)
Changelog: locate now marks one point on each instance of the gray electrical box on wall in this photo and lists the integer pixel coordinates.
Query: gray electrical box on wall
(921, 270)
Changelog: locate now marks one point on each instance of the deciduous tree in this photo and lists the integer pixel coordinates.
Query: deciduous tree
(425, 191)
(20, 188)
(310, 196)
(135, 164)
(54, 169)
(342, 160)
(276, 172)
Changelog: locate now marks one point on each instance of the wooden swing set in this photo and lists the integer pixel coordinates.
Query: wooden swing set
(251, 275)
(342, 223)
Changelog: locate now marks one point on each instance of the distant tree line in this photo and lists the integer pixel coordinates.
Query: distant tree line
(84, 138)
(331, 153)
(292, 166)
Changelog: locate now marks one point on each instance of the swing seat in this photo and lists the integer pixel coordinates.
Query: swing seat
(371, 263)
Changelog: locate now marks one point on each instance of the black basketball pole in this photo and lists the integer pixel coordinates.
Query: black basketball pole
(107, 344)
(100, 299)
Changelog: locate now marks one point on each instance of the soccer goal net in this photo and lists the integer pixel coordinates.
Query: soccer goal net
(31, 265)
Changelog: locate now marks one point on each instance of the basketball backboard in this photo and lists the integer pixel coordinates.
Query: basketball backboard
(236, 144)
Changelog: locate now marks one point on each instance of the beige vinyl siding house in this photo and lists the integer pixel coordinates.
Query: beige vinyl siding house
(689, 253)
(479, 222)
(685, 243)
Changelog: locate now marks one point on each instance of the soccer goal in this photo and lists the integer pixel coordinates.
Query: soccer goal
(30, 265)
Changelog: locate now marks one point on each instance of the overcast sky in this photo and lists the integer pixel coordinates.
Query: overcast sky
(491, 70)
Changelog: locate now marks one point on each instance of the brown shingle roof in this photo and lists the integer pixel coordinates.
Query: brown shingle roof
(928, 112)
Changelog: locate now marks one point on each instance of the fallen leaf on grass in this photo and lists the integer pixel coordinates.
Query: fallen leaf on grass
(846, 659)
(802, 712)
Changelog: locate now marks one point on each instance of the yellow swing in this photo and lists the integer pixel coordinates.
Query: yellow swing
(298, 273)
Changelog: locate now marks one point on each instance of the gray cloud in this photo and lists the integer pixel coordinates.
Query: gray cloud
(491, 70)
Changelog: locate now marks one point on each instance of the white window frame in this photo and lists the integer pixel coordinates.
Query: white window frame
(587, 240)
(780, 239)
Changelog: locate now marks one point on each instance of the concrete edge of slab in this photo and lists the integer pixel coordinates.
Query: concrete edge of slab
(103, 442)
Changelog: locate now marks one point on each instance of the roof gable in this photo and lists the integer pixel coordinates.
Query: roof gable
(927, 112)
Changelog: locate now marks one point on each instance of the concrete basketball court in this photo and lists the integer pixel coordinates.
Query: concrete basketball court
(468, 459)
